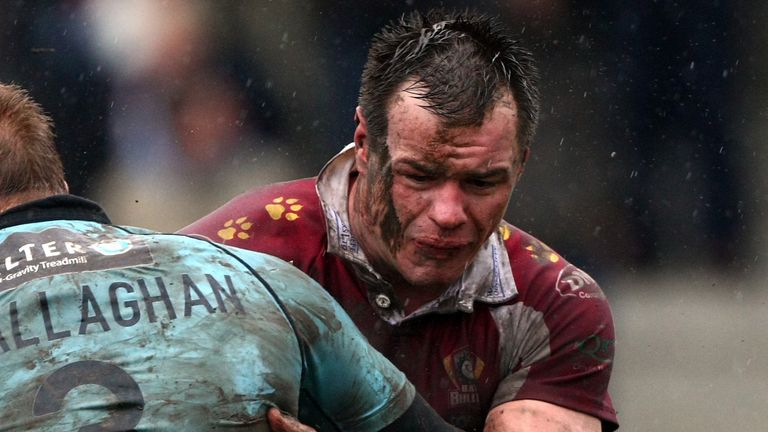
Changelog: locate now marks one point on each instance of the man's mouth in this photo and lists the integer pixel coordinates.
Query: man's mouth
(440, 249)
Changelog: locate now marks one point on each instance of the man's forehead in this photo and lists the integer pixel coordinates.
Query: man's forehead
(409, 100)
(408, 118)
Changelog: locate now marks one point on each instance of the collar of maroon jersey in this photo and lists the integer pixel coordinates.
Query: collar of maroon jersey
(487, 279)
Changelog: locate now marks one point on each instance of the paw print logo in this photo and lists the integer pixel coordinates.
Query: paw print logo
(504, 231)
(282, 207)
(235, 228)
(541, 252)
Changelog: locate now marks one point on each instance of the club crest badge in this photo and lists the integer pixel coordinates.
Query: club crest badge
(464, 369)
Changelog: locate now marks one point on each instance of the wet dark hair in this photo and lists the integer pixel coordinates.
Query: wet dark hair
(29, 162)
(462, 64)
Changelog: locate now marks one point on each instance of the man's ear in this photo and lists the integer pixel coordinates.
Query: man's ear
(526, 155)
(523, 160)
(361, 141)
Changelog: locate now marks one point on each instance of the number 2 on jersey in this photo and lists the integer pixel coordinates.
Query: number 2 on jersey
(129, 405)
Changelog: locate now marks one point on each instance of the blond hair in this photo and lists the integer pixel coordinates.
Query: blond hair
(30, 166)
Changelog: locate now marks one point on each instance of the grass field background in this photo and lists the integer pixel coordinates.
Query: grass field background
(691, 353)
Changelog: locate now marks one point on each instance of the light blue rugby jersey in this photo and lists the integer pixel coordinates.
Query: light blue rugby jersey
(105, 329)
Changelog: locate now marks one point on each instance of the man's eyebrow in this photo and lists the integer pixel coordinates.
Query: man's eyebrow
(420, 166)
(495, 172)
(435, 169)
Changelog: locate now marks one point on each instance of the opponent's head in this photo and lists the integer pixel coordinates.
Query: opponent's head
(30, 167)
(448, 108)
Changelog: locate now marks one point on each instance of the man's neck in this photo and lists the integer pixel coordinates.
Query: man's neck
(412, 298)
(14, 200)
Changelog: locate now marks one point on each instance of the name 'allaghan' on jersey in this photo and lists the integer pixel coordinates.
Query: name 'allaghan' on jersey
(120, 304)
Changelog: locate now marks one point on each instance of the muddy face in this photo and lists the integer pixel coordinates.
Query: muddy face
(425, 208)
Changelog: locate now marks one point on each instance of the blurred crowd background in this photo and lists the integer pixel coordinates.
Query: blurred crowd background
(648, 169)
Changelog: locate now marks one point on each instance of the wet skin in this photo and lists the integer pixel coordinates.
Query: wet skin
(439, 196)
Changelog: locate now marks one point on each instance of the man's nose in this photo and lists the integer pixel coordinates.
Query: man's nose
(448, 206)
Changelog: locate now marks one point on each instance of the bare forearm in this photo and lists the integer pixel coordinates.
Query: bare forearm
(538, 416)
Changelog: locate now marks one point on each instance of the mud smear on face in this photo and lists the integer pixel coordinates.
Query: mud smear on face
(391, 228)
(377, 204)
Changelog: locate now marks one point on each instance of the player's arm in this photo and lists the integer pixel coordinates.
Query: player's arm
(557, 366)
(529, 415)
(346, 380)
(419, 417)
(282, 422)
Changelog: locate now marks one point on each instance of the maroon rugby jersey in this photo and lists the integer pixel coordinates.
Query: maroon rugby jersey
(522, 323)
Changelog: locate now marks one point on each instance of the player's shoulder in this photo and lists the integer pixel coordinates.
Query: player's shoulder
(285, 200)
(304, 185)
(199, 249)
(542, 274)
(527, 253)
(244, 269)
(274, 213)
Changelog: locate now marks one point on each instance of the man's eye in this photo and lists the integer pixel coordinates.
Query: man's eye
(481, 184)
(418, 178)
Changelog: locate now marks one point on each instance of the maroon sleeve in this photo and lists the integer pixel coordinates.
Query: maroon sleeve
(558, 338)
